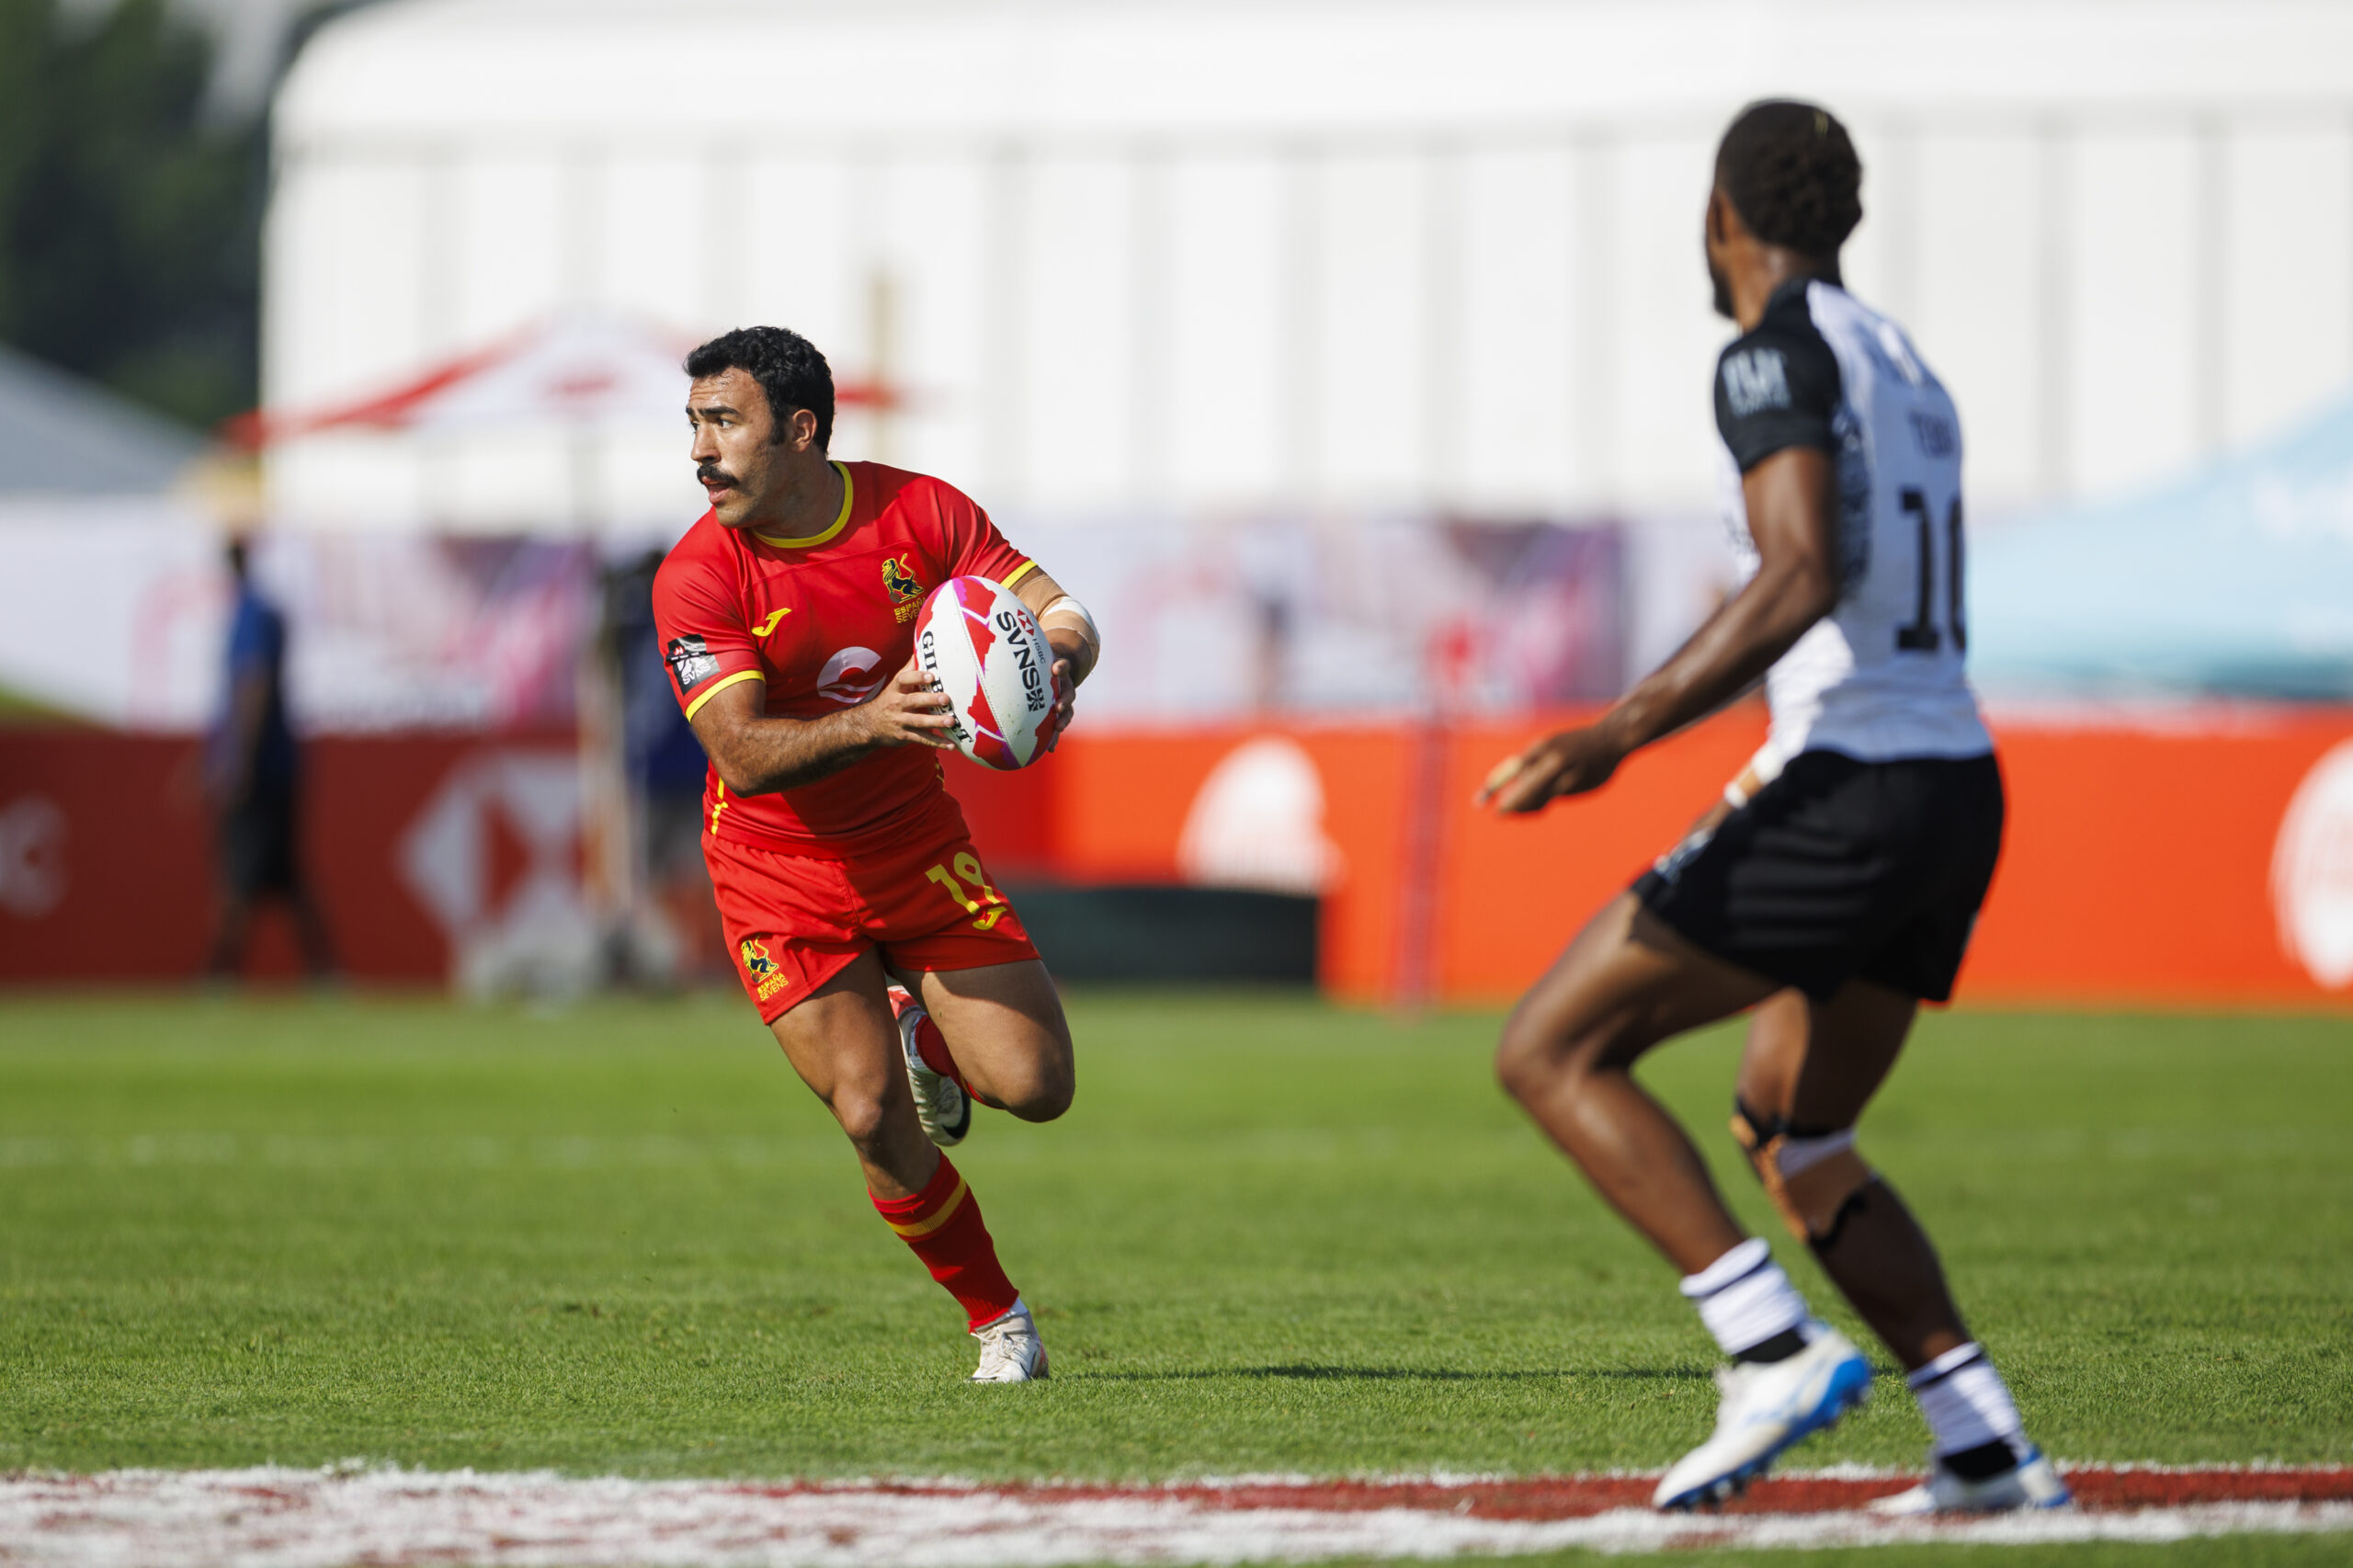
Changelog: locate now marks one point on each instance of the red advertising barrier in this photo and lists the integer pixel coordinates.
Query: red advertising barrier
(412, 843)
(2204, 860)
(2142, 865)
(2151, 862)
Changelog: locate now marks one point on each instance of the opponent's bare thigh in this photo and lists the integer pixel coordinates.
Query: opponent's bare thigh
(1817, 1064)
(1623, 984)
(1626, 982)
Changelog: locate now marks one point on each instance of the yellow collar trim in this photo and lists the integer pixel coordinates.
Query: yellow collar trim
(840, 522)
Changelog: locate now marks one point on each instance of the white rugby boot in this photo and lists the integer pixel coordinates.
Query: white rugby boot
(941, 1104)
(1011, 1351)
(2033, 1482)
(1767, 1405)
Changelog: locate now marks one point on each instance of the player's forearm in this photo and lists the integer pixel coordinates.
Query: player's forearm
(762, 756)
(1735, 646)
(1069, 628)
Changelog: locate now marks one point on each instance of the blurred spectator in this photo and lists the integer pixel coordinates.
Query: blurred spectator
(252, 773)
(663, 765)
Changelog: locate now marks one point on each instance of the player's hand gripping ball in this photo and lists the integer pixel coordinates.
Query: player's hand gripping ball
(982, 647)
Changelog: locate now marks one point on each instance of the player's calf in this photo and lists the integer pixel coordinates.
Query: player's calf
(942, 1226)
(1858, 1228)
(1814, 1179)
(1877, 1254)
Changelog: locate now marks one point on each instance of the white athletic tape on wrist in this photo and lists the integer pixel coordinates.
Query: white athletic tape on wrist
(1762, 769)
(1068, 606)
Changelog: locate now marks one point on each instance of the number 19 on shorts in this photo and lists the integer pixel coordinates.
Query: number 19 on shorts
(989, 907)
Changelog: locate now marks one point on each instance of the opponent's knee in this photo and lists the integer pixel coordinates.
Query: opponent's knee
(1535, 1055)
(1519, 1059)
(1815, 1179)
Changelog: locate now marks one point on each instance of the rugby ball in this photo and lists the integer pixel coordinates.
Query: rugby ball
(982, 647)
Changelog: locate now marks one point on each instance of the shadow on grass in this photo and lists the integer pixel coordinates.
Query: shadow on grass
(1308, 1373)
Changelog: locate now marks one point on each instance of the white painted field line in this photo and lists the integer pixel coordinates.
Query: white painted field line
(383, 1518)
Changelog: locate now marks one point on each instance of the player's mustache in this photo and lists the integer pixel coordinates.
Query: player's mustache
(710, 473)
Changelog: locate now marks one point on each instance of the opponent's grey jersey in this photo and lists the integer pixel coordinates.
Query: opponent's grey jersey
(1882, 675)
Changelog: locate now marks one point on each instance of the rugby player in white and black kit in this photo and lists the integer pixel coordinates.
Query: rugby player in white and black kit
(1835, 886)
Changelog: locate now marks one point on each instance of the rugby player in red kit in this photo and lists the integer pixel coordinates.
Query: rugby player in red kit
(858, 914)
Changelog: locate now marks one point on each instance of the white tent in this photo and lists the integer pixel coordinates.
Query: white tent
(67, 439)
(1147, 256)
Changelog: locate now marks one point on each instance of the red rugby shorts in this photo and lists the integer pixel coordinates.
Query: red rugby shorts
(793, 922)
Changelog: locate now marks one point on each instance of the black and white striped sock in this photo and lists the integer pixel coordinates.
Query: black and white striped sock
(1971, 1418)
(1749, 1304)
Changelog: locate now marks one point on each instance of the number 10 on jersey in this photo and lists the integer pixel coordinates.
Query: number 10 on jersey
(1922, 636)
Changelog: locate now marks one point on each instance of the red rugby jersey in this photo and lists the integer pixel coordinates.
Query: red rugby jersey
(821, 623)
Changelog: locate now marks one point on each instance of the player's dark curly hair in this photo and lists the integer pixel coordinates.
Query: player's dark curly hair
(787, 365)
(1793, 174)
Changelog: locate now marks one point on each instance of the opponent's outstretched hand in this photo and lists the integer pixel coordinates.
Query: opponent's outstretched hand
(1567, 764)
(909, 711)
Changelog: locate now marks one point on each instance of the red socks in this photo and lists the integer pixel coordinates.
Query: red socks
(942, 1224)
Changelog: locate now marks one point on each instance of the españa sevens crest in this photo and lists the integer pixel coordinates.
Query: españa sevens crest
(905, 590)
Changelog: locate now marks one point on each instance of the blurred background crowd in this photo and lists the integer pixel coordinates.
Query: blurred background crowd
(1349, 356)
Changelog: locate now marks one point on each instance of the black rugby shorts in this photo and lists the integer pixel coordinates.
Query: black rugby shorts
(1842, 870)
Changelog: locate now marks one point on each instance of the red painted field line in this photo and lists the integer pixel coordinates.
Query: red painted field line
(2100, 1488)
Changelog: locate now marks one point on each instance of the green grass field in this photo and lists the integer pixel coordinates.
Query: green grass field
(1272, 1236)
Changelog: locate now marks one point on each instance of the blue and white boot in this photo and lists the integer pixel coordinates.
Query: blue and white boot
(1767, 1406)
